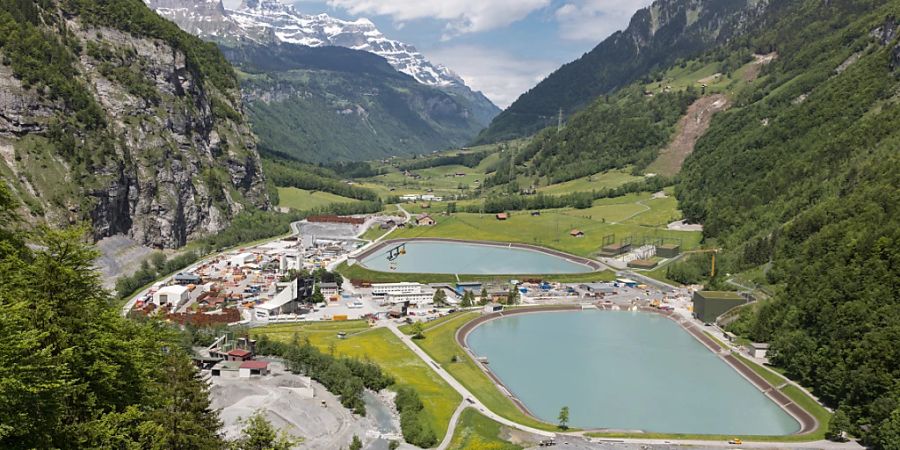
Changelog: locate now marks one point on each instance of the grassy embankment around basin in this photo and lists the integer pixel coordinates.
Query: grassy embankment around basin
(440, 344)
(358, 272)
(380, 346)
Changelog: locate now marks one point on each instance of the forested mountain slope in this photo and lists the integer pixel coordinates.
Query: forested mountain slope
(623, 129)
(322, 104)
(656, 37)
(804, 174)
(111, 114)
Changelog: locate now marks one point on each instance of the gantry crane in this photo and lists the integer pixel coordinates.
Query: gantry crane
(714, 251)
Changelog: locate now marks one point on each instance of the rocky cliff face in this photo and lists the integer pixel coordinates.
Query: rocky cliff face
(171, 159)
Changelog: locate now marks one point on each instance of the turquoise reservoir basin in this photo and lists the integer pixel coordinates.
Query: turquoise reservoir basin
(465, 258)
(623, 371)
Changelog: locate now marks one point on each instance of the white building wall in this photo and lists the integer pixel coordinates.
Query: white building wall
(396, 288)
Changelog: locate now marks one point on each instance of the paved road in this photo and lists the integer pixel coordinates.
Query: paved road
(452, 428)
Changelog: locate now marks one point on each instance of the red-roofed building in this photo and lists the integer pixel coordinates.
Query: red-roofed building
(250, 368)
(238, 354)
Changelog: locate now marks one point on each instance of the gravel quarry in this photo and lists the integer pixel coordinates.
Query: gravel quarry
(321, 427)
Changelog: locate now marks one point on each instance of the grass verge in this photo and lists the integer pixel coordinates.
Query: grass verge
(440, 344)
(383, 348)
(475, 431)
(358, 272)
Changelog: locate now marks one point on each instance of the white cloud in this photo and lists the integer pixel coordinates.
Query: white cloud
(462, 16)
(500, 76)
(594, 20)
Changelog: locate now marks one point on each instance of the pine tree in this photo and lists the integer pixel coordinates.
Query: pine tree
(259, 434)
(440, 297)
(188, 422)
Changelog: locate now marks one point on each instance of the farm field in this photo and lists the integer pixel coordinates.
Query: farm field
(640, 214)
(609, 179)
(383, 348)
(304, 200)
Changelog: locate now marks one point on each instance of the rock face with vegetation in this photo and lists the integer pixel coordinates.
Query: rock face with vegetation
(657, 37)
(115, 116)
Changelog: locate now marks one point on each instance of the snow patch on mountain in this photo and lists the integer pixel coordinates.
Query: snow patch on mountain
(266, 21)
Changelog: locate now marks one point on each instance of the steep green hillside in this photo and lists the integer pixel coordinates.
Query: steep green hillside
(332, 104)
(657, 37)
(624, 129)
(113, 115)
(803, 177)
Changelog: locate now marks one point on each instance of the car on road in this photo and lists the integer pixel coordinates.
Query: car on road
(736, 441)
(547, 443)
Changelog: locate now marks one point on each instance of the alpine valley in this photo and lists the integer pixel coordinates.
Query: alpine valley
(322, 89)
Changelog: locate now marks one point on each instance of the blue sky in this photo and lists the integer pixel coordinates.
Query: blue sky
(500, 47)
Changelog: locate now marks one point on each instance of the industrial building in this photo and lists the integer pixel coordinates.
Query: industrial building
(404, 287)
(615, 249)
(709, 305)
(171, 295)
(668, 250)
(422, 298)
(329, 290)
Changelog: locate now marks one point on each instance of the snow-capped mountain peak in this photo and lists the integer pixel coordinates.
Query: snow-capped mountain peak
(270, 20)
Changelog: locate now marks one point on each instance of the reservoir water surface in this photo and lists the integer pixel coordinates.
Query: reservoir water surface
(624, 371)
(464, 258)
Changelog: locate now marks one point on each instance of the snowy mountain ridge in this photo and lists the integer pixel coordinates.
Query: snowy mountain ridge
(267, 21)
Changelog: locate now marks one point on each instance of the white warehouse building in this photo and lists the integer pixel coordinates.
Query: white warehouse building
(422, 298)
(405, 287)
(174, 295)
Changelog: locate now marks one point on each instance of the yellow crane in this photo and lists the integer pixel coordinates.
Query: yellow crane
(714, 251)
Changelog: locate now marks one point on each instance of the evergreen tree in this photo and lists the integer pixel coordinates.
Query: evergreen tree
(440, 297)
(466, 300)
(186, 418)
(259, 434)
(73, 372)
(512, 297)
(838, 425)
(563, 418)
(317, 296)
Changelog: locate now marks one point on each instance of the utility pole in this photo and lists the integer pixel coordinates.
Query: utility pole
(559, 122)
